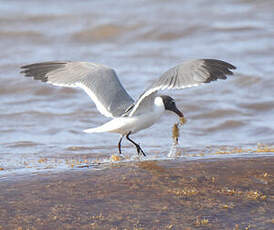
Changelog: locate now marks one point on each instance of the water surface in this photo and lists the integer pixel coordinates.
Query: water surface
(41, 125)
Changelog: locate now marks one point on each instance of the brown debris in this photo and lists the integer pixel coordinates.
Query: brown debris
(173, 194)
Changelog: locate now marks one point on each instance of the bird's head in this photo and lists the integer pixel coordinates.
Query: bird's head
(170, 105)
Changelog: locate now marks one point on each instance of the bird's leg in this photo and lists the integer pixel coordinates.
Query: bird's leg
(139, 149)
(119, 144)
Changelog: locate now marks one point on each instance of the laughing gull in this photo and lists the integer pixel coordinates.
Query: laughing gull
(101, 83)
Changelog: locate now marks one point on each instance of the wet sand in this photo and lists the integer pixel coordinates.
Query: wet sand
(176, 194)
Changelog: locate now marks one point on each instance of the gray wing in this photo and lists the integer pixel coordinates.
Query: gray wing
(188, 74)
(99, 82)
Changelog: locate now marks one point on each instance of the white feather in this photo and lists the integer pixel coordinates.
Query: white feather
(101, 108)
(124, 125)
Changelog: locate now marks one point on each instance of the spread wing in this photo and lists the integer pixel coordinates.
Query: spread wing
(187, 74)
(99, 82)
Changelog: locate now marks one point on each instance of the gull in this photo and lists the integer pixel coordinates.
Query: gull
(128, 116)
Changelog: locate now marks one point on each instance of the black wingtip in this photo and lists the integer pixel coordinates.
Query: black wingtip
(217, 69)
(40, 70)
(24, 67)
(216, 62)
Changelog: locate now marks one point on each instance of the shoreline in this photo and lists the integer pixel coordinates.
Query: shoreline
(173, 194)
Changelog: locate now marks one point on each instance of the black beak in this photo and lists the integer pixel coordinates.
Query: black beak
(178, 112)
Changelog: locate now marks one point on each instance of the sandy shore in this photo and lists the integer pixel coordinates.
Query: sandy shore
(206, 194)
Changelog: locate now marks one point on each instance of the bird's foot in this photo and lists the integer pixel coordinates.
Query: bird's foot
(139, 150)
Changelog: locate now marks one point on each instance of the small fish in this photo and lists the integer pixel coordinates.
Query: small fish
(182, 120)
(176, 131)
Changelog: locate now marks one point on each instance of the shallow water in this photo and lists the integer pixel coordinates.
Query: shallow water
(41, 125)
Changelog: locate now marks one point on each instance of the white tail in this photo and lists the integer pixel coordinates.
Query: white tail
(93, 130)
(117, 125)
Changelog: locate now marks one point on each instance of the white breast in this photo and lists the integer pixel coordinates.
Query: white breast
(124, 125)
(148, 119)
